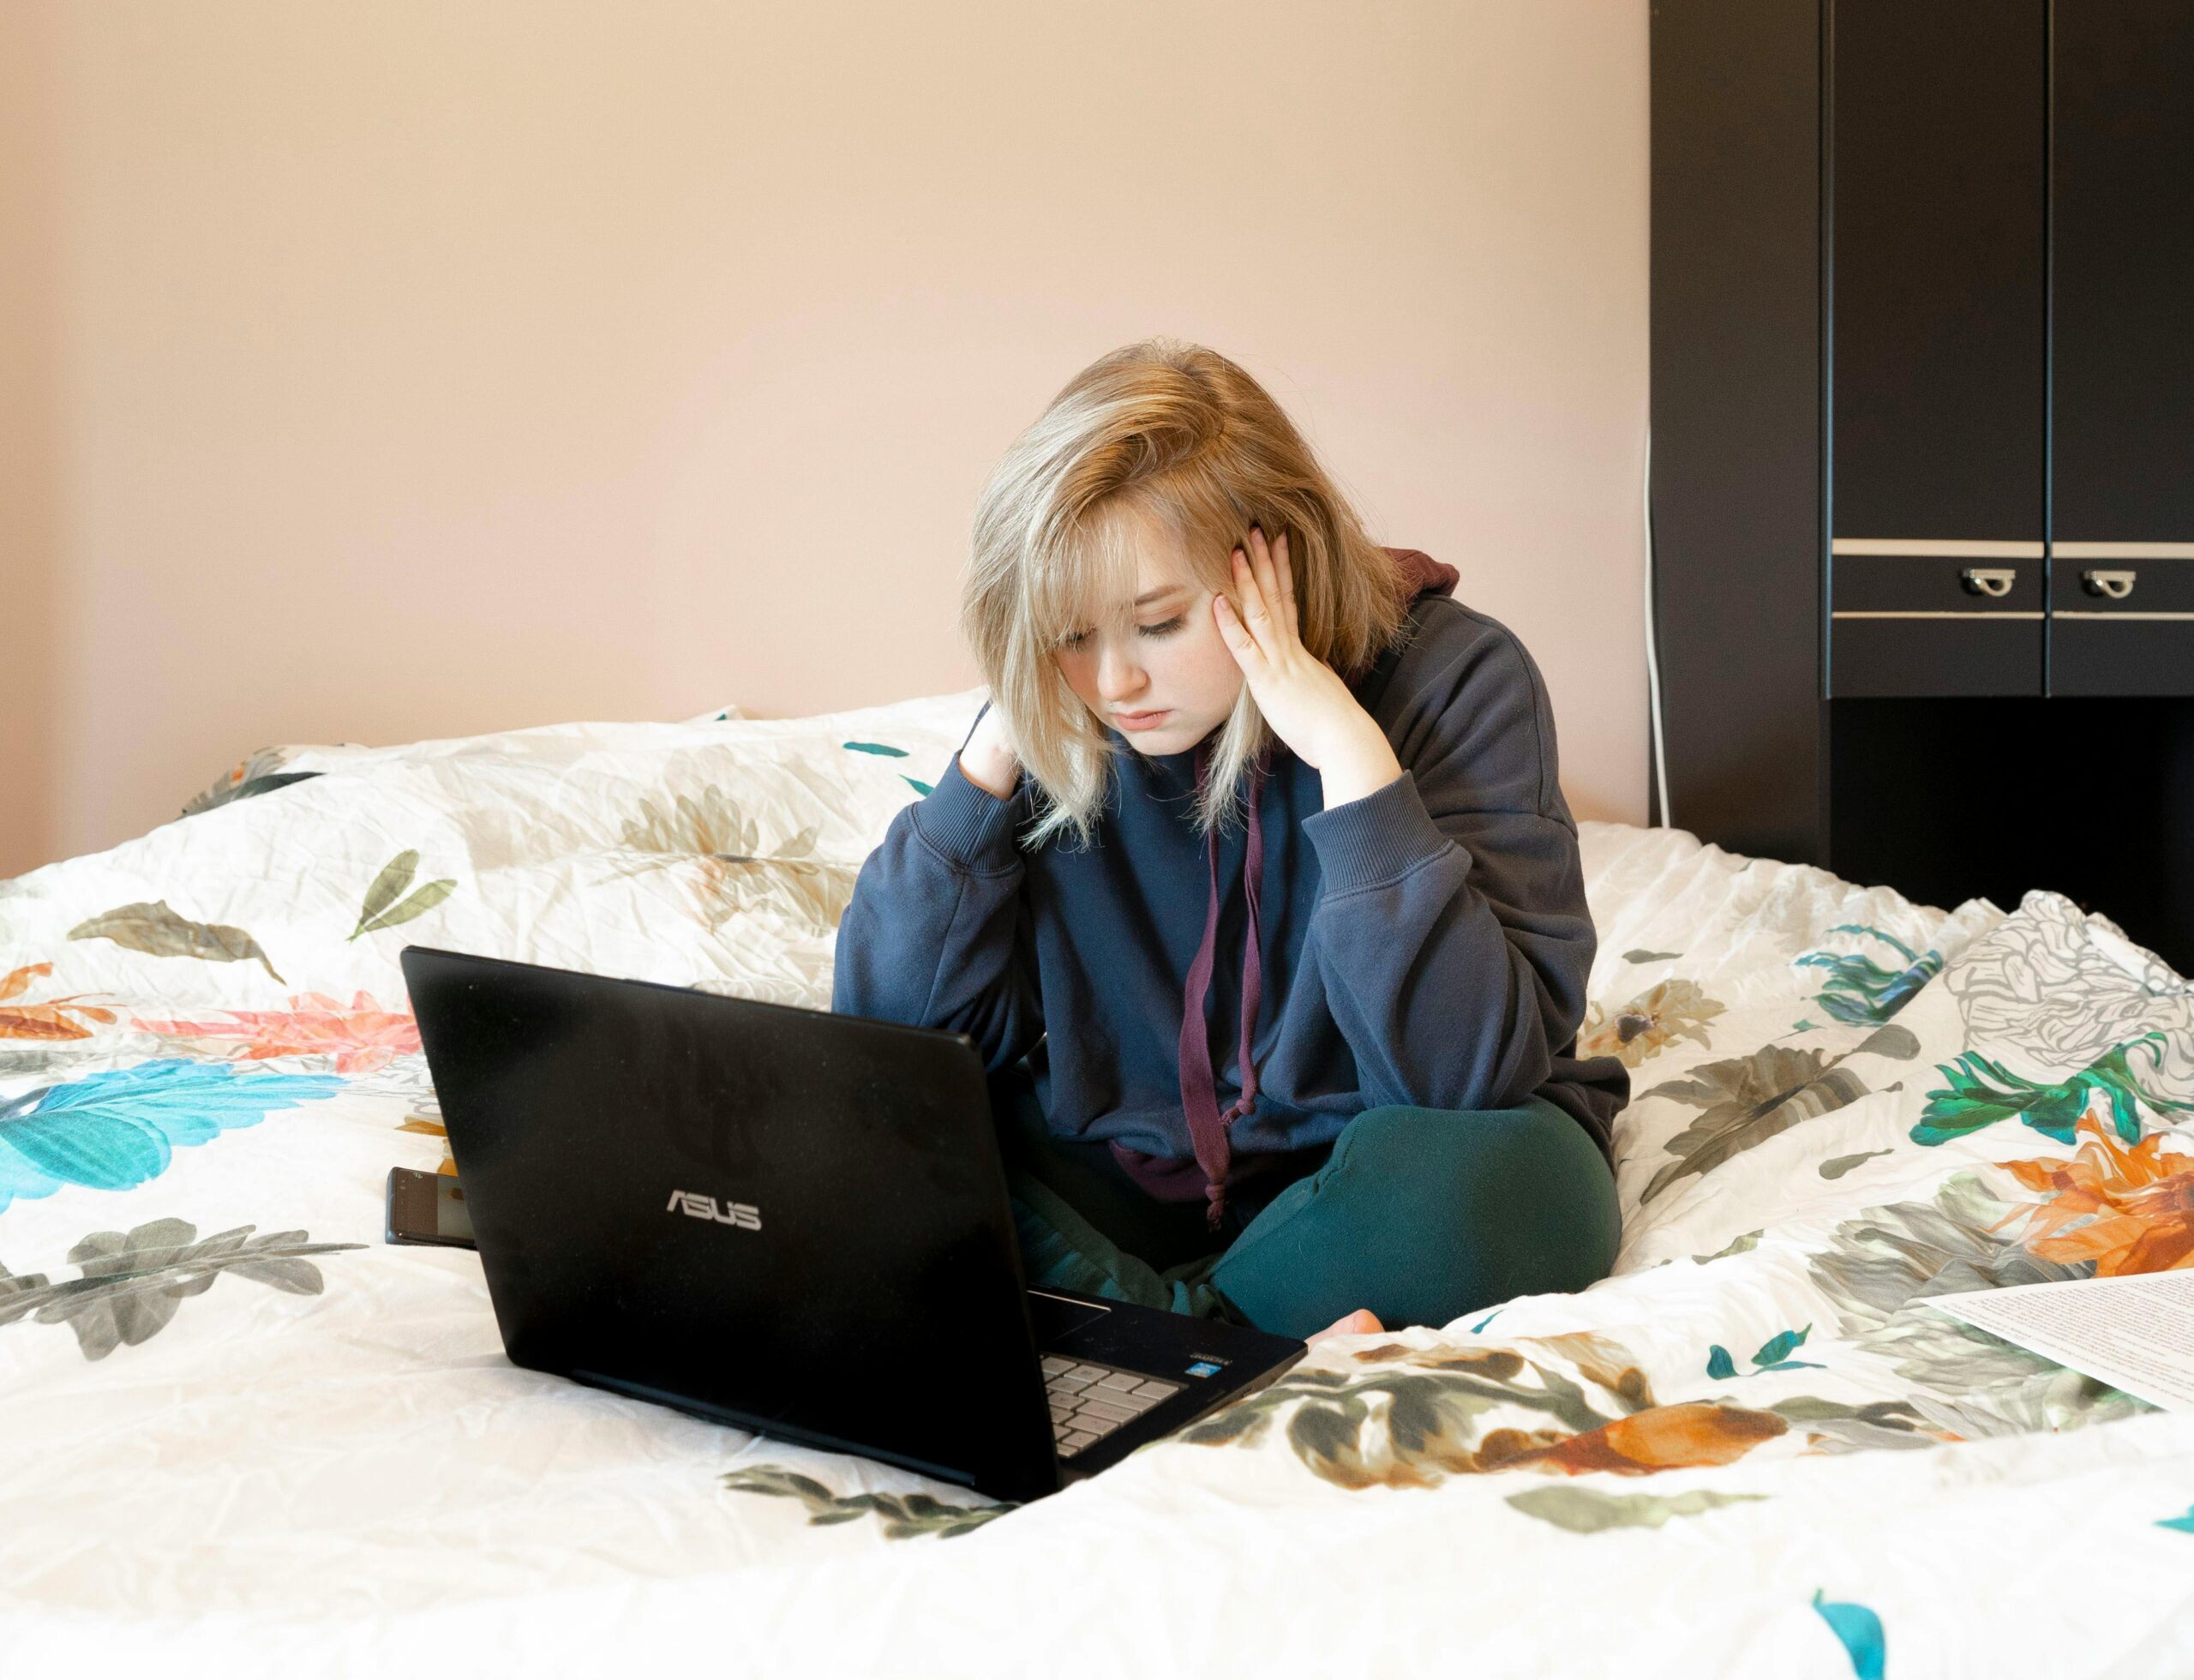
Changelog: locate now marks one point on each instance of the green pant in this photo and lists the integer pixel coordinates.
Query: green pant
(1421, 1215)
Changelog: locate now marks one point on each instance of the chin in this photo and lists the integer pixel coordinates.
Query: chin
(1164, 743)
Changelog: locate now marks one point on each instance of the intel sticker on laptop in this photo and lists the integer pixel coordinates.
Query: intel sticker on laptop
(1205, 1367)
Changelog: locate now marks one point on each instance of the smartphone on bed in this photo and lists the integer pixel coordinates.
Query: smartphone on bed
(428, 1208)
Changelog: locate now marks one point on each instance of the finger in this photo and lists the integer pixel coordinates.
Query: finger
(1276, 586)
(1268, 576)
(1285, 567)
(1254, 615)
(1238, 640)
(1268, 579)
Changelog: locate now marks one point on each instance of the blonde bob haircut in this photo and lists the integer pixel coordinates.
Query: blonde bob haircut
(1167, 433)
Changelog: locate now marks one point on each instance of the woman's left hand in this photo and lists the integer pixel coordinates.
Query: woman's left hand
(1302, 696)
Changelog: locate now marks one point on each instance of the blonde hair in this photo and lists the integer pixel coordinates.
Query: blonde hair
(1167, 432)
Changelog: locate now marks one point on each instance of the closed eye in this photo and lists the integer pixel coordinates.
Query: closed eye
(1080, 638)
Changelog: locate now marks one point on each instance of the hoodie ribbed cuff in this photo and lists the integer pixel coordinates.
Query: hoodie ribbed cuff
(1378, 838)
(966, 826)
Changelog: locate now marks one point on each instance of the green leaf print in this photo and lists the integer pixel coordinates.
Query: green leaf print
(382, 907)
(157, 931)
(1837, 1166)
(1982, 1092)
(1747, 1100)
(133, 1283)
(14, 1289)
(250, 789)
(905, 1515)
(1584, 1510)
(1739, 1244)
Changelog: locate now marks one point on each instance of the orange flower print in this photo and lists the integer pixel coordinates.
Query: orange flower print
(49, 1019)
(362, 1038)
(2129, 1207)
(1687, 1436)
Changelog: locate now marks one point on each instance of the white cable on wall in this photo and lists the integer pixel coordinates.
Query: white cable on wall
(1653, 652)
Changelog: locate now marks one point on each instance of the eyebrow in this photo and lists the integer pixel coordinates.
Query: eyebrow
(1149, 595)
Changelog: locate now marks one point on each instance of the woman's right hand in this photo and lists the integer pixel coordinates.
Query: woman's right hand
(988, 759)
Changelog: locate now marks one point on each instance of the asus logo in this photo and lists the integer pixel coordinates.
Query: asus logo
(695, 1205)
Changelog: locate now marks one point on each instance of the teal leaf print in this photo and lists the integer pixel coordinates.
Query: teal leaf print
(1982, 1092)
(157, 931)
(382, 907)
(1774, 1355)
(133, 1283)
(116, 1128)
(1859, 992)
(877, 748)
(1861, 1631)
(1584, 1510)
(2185, 1525)
(924, 789)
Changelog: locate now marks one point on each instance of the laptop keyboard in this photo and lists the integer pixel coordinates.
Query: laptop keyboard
(1089, 1401)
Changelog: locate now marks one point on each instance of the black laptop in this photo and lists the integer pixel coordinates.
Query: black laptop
(789, 1221)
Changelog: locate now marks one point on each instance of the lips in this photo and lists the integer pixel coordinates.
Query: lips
(1139, 720)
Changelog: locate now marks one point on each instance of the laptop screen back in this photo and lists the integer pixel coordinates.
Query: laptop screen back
(794, 1220)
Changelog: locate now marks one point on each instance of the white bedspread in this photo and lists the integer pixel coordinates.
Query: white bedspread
(239, 1435)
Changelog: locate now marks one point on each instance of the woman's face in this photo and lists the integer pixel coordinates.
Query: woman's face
(1164, 678)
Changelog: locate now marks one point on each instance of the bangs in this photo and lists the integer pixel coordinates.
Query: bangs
(1085, 574)
(1090, 570)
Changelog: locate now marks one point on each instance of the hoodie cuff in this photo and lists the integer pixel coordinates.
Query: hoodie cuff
(1374, 840)
(967, 825)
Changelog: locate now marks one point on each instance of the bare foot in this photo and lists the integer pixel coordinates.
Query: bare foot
(1362, 1322)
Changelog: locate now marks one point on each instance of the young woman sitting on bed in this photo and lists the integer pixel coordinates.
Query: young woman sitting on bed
(1253, 885)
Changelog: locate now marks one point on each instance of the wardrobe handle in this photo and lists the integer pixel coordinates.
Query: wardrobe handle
(2111, 585)
(1993, 581)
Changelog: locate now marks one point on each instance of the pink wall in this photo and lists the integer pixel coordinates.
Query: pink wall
(422, 368)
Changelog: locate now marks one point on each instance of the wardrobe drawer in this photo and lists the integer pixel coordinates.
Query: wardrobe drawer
(2121, 618)
(1934, 618)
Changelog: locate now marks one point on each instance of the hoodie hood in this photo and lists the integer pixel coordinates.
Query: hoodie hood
(1423, 574)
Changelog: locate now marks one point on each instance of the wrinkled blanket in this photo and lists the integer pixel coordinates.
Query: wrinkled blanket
(239, 1434)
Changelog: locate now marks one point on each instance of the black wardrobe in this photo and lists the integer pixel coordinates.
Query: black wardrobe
(1923, 443)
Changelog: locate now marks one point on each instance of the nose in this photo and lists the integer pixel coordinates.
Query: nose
(1120, 676)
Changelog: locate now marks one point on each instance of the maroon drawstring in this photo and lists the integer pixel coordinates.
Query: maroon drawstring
(1199, 1090)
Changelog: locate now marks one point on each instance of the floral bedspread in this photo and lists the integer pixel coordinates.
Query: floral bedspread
(240, 1434)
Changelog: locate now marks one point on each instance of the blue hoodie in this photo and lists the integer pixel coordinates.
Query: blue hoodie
(1425, 945)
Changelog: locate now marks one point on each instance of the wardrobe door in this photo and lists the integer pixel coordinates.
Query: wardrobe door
(1938, 312)
(2122, 240)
